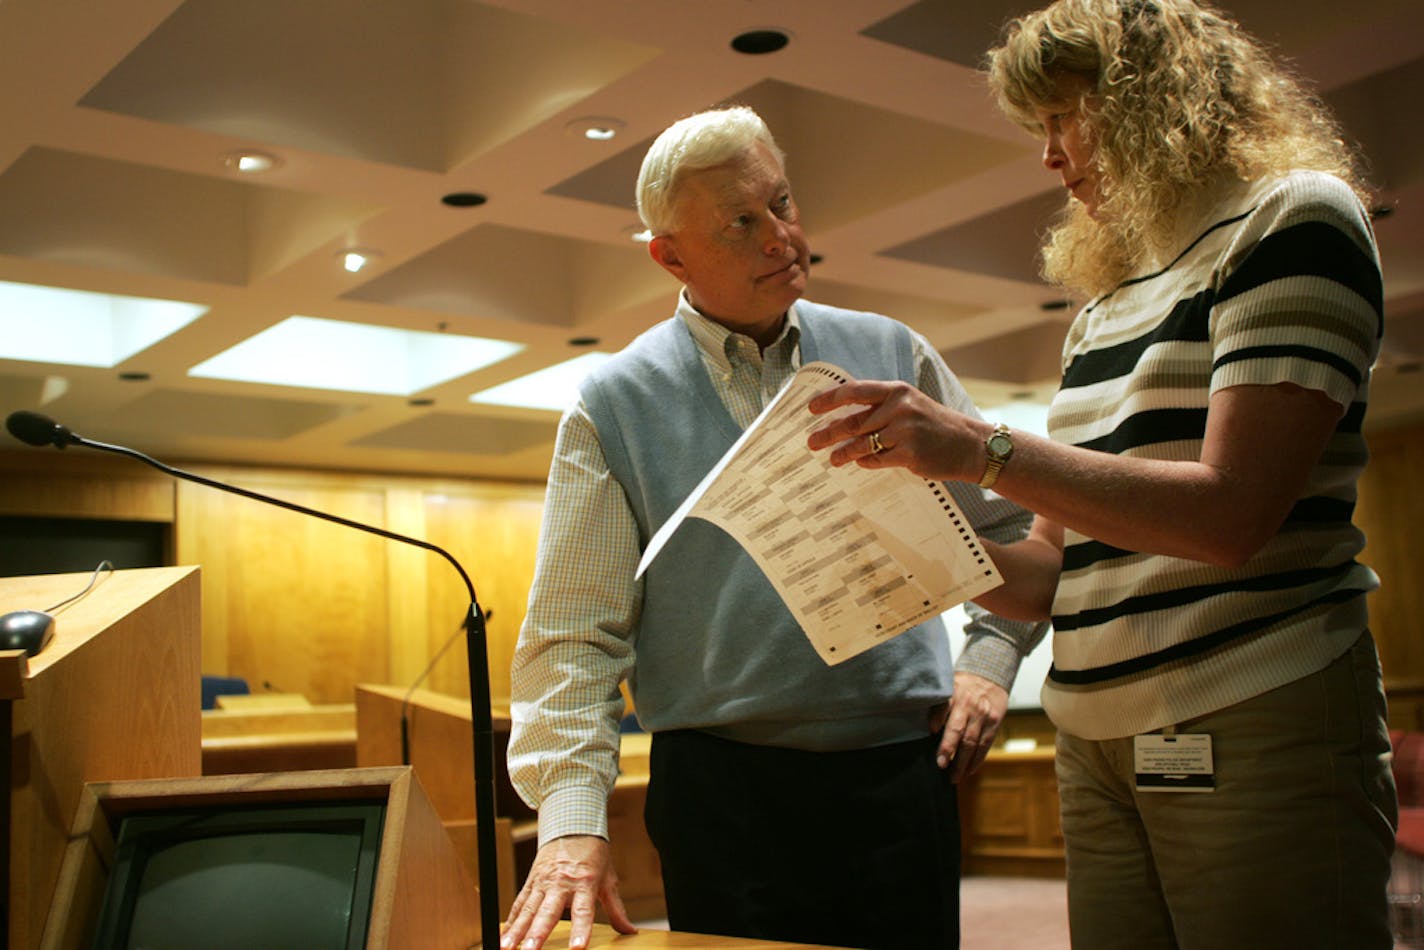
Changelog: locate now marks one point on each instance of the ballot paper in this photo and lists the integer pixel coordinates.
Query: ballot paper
(859, 555)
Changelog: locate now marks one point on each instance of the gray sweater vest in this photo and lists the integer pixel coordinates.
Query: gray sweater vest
(716, 647)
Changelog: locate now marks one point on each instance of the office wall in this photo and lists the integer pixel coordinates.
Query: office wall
(315, 608)
(307, 606)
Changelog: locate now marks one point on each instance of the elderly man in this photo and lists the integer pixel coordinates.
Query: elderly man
(788, 799)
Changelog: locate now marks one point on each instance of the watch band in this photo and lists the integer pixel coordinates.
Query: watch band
(996, 458)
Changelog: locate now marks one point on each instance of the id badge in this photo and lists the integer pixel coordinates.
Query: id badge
(1170, 762)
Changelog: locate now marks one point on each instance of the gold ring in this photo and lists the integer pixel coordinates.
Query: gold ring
(875, 446)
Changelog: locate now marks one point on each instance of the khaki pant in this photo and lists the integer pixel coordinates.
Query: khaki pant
(1292, 850)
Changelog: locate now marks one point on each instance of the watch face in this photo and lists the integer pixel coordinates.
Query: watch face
(1000, 444)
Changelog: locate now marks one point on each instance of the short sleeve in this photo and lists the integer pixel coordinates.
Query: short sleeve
(1299, 297)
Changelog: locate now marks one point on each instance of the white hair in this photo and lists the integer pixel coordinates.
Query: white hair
(703, 140)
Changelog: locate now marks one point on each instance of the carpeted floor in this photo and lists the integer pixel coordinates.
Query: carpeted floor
(1013, 913)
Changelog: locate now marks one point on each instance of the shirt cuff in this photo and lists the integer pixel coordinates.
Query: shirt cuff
(573, 810)
(991, 657)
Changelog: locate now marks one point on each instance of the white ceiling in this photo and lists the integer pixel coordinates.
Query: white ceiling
(921, 202)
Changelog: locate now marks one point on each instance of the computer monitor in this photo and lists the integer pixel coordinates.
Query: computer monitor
(309, 859)
(38, 545)
(299, 876)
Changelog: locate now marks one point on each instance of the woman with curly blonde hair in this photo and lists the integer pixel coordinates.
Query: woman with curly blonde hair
(1222, 756)
(1181, 98)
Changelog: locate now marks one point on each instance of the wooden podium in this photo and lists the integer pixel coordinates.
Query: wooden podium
(441, 752)
(421, 896)
(440, 732)
(115, 695)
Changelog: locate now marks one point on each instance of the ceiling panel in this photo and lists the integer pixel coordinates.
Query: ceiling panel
(118, 122)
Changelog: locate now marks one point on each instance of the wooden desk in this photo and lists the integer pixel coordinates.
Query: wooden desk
(282, 736)
(243, 702)
(441, 751)
(1008, 813)
(605, 936)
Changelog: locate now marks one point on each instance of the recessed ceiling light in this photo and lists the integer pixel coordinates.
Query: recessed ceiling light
(638, 233)
(760, 42)
(464, 199)
(250, 162)
(595, 128)
(355, 259)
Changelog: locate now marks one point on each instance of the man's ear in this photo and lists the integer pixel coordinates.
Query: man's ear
(663, 249)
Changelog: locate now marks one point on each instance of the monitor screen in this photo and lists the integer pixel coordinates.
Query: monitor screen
(31, 545)
(282, 876)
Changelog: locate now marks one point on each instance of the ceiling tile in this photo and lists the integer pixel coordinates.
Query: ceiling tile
(947, 29)
(121, 216)
(423, 84)
(845, 159)
(448, 432)
(1003, 243)
(504, 273)
(179, 413)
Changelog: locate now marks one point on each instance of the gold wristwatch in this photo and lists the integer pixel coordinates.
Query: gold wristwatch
(999, 447)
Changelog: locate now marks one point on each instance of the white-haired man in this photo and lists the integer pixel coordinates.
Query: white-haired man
(788, 799)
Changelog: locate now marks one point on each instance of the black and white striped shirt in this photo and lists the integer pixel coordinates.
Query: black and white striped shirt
(1280, 282)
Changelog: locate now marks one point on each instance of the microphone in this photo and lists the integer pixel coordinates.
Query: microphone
(36, 429)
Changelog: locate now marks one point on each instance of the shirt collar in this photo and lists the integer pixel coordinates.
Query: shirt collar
(716, 341)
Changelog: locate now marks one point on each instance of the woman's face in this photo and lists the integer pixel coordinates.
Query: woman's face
(1068, 147)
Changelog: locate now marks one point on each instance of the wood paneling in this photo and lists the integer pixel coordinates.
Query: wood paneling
(299, 605)
(314, 608)
(49, 484)
(1391, 513)
(493, 530)
(289, 600)
(1009, 816)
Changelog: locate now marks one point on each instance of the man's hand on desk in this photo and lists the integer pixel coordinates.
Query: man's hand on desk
(976, 710)
(574, 872)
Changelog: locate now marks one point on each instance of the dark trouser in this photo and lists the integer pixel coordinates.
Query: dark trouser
(855, 849)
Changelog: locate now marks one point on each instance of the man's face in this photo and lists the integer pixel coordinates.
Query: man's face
(738, 245)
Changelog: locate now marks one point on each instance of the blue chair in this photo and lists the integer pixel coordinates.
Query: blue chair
(215, 686)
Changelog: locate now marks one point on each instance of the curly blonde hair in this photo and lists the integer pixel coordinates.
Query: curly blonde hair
(1180, 96)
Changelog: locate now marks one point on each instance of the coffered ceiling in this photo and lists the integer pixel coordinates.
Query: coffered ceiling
(118, 123)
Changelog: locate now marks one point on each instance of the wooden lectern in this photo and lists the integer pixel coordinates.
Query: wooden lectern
(440, 734)
(439, 731)
(115, 695)
(421, 896)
